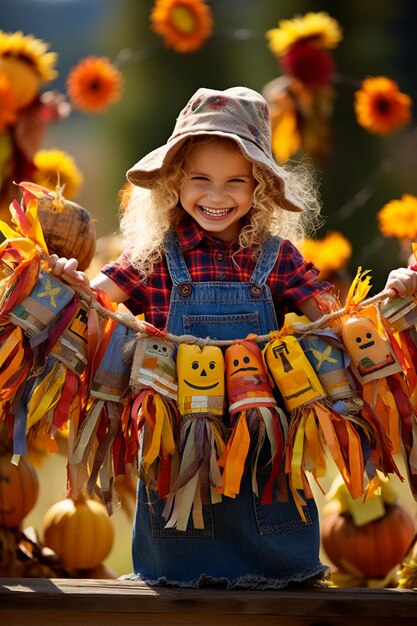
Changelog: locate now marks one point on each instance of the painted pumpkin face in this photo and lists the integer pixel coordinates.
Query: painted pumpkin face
(200, 379)
(371, 355)
(292, 372)
(154, 366)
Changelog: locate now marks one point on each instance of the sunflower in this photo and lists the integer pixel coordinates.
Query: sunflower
(93, 84)
(7, 102)
(56, 168)
(30, 50)
(329, 254)
(184, 25)
(398, 218)
(317, 28)
(380, 107)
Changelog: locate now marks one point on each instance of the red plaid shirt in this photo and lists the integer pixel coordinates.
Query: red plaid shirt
(291, 281)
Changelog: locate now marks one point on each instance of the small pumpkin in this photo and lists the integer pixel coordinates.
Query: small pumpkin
(19, 489)
(80, 533)
(373, 548)
(68, 229)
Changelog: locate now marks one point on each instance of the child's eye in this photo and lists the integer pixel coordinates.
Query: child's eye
(199, 178)
(237, 180)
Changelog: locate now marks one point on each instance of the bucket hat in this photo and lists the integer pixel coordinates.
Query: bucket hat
(239, 113)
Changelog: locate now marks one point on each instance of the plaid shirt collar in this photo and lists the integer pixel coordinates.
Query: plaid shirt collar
(191, 235)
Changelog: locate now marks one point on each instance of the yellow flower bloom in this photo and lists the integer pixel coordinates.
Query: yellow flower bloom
(57, 168)
(380, 107)
(398, 218)
(328, 254)
(184, 25)
(93, 84)
(318, 28)
(7, 102)
(30, 50)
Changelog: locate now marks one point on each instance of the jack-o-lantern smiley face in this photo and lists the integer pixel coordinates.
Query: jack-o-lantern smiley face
(369, 352)
(200, 370)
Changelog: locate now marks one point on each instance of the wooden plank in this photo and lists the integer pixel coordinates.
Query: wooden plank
(123, 603)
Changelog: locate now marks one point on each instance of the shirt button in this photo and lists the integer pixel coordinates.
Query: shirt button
(221, 276)
(184, 289)
(219, 256)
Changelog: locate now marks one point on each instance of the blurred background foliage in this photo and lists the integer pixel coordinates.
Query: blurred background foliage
(364, 171)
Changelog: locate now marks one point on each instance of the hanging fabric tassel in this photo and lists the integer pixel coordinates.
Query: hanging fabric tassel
(255, 418)
(330, 361)
(40, 399)
(202, 434)
(385, 390)
(95, 460)
(316, 425)
(154, 387)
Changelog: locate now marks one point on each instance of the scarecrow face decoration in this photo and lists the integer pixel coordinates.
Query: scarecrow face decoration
(371, 355)
(154, 366)
(200, 378)
(243, 362)
(246, 377)
(292, 372)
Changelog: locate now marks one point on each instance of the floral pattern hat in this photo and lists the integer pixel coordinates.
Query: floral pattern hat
(238, 113)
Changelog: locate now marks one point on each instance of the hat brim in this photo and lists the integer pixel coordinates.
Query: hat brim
(146, 172)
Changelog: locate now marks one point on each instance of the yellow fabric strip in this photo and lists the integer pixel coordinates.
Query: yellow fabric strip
(46, 395)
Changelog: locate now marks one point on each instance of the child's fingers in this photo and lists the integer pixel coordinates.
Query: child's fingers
(401, 282)
(67, 270)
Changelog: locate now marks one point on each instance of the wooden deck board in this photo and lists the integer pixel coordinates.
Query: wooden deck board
(33, 602)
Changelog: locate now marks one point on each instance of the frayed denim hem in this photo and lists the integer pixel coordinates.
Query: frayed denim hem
(311, 578)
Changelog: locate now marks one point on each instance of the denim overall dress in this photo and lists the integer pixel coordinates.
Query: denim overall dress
(244, 543)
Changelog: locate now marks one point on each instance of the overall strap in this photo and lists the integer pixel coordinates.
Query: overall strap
(177, 267)
(266, 260)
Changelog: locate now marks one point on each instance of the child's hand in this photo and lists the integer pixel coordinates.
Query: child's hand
(66, 269)
(401, 282)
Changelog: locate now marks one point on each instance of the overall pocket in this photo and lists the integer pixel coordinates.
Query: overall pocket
(277, 517)
(222, 326)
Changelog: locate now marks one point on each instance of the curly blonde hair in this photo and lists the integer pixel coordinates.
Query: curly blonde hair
(149, 214)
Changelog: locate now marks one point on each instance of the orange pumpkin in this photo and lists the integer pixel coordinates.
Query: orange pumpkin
(19, 488)
(374, 548)
(80, 533)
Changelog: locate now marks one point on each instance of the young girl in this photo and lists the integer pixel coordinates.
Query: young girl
(210, 252)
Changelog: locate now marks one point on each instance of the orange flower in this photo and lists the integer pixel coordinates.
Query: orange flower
(7, 102)
(93, 84)
(398, 218)
(380, 107)
(328, 254)
(184, 25)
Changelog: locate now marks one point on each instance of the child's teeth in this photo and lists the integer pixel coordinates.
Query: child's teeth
(220, 212)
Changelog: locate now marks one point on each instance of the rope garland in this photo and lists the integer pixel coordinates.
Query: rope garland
(143, 328)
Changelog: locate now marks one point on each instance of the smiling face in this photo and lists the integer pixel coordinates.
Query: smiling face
(371, 354)
(218, 187)
(200, 379)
